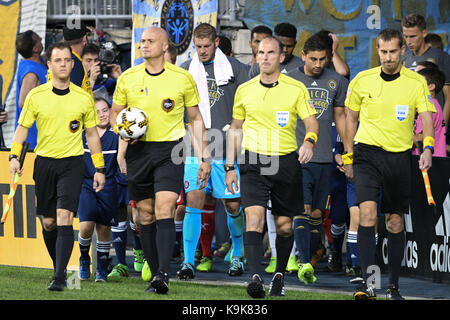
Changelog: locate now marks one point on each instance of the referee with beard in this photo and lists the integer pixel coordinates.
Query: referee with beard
(385, 100)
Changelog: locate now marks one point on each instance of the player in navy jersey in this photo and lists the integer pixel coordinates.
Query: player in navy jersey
(98, 210)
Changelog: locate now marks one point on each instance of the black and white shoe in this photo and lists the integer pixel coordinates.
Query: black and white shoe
(186, 272)
(276, 287)
(161, 283)
(392, 293)
(364, 292)
(256, 287)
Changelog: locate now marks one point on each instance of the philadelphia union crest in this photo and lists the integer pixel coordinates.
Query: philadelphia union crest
(177, 18)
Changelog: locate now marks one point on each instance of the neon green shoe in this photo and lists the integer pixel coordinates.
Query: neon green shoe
(119, 271)
(138, 260)
(306, 273)
(205, 264)
(272, 265)
(146, 273)
(292, 265)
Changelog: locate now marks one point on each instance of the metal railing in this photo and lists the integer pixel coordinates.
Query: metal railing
(89, 9)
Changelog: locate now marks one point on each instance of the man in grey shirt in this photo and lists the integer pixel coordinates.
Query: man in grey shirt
(414, 32)
(223, 75)
(287, 34)
(327, 90)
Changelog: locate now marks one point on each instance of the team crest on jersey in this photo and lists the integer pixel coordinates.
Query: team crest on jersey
(167, 105)
(282, 118)
(401, 112)
(177, 17)
(332, 84)
(214, 92)
(74, 125)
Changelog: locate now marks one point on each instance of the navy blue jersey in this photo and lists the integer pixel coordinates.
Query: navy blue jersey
(120, 177)
(110, 143)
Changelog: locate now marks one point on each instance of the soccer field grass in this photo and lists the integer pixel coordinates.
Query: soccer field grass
(20, 283)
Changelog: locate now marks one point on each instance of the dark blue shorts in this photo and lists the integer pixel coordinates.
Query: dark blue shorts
(122, 194)
(338, 198)
(101, 207)
(317, 184)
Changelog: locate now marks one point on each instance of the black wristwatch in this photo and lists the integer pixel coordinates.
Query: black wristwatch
(207, 160)
(13, 156)
(229, 167)
(101, 170)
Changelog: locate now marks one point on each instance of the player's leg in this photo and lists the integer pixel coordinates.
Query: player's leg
(119, 240)
(396, 247)
(272, 234)
(103, 246)
(84, 242)
(179, 217)
(207, 234)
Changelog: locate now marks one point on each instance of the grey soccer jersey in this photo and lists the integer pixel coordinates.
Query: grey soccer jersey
(285, 67)
(327, 92)
(221, 99)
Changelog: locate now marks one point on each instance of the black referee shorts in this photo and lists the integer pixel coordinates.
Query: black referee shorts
(150, 169)
(283, 186)
(373, 168)
(58, 184)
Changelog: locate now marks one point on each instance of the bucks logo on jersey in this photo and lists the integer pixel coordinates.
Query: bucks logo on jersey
(214, 92)
(320, 99)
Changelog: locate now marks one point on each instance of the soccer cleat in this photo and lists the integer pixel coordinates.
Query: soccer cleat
(355, 273)
(186, 272)
(236, 267)
(292, 265)
(317, 255)
(306, 273)
(392, 293)
(146, 273)
(272, 265)
(334, 261)
(57, 285)
(101, 276)
(276, 287)
(161, 283)
(364, 292)
(256, 287)
(205, 264)
(223, 250)
(138, 260)
(118, 271)
(84, 273)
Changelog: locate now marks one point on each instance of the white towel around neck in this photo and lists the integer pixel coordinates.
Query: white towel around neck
(223, 72)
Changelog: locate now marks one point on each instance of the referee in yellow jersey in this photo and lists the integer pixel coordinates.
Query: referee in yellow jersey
(154, 172)
(267, 108)
(378, 151)
(61, 110)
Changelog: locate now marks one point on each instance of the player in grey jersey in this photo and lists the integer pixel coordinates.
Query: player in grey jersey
(327, 90)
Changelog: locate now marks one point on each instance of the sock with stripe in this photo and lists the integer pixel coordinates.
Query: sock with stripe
(302, 237)
(85, 245)
(103, 255)
(119, 240)
(352, 242)
(338, 234)
(315, 228)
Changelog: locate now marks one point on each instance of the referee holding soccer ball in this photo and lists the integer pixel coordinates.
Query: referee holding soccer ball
(385, 100)
(163, 91)
(60, 110)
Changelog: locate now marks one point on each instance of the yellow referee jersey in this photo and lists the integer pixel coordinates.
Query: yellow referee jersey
(271, 114)
(163, 97)
(387, 108)
(59, 119)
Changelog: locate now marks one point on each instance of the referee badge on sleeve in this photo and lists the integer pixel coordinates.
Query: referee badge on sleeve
(74, 126)
(167, 105)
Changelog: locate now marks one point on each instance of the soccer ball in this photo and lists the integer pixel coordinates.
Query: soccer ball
(131, 123)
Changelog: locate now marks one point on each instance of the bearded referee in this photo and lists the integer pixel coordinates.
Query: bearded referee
(385, 99)
(267, 108)
(60, 110)
(154, 177)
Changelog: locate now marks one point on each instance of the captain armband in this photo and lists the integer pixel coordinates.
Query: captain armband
(311, 137)
(16, 149)
(428, 143)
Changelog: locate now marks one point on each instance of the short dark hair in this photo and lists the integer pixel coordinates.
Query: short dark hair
(324, 36)
(173, 53)
(91, 48)
(225, 45)
(285, 29)
(434, 76)
(205, 30)
(25, 43)
(414, 20)
(316, 43)
(389, 34)
(97, 99)
(428, 64)
(434, 40)
(57, 45)
(260, 29)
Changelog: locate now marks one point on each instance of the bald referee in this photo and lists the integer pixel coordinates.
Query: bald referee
(267, 108)
(385, 99)
(154, 178)
(60, 110)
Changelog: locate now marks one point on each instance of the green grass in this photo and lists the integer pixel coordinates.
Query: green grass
(20, 283)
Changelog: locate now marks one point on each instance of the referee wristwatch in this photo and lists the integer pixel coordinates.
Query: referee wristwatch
(101, 170)
(13, 156)
(229, 167)
(207, 160)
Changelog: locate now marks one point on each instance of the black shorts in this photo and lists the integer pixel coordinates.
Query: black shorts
(58, 184)
(150, 169)
(283, 186)
(375, 168)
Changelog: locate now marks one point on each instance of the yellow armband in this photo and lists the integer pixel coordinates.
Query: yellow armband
(97, 160)
(428, 141)
(311, 137)
(16, 149)
(347, 158)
